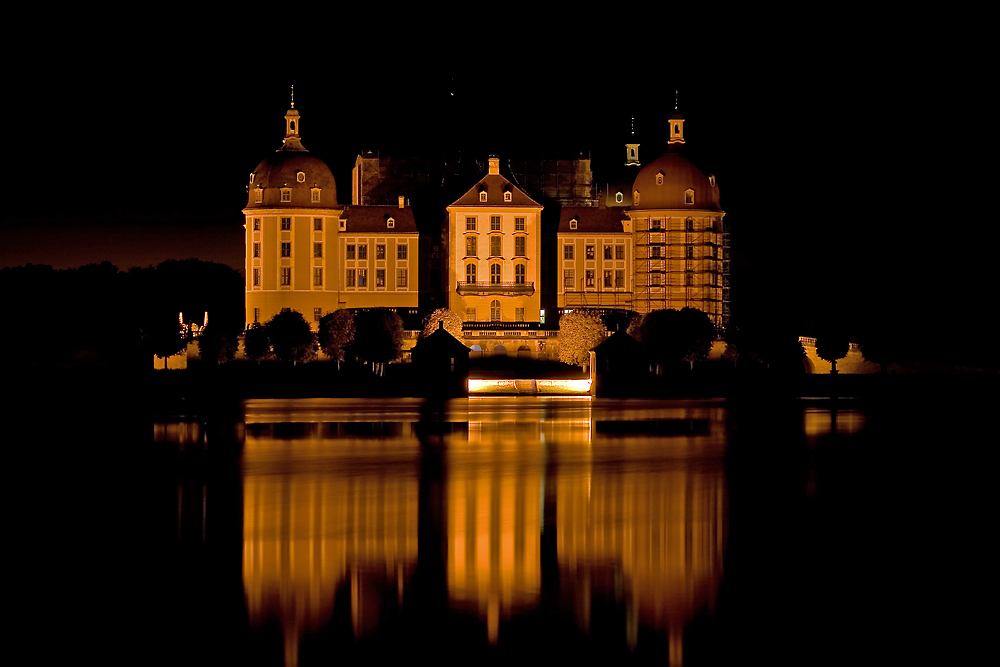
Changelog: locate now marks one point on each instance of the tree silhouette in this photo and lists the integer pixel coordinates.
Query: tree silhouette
(336, 333)
(832, 344)
(163, 335)
(452, 323)
(290, 336)
(216, 346)
(256, 345)
(673, 336)
(579, 332)
(378, 337)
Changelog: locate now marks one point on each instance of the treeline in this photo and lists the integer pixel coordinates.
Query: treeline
(101, 315)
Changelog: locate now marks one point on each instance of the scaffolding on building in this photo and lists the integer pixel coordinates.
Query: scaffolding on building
(677, 264)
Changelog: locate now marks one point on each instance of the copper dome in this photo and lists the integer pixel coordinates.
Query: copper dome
(678, 176)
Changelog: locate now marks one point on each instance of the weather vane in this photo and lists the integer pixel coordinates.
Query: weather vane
(675, 99)
(293, 96)
(633, 124)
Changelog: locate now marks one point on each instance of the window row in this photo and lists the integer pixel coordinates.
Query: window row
(470, 224)
(286, 224)
(496, 313)
(286, 195)
(690, 225)
(359, 278)
(496, 274)
(612, 279)
(658, 252)
(590, 251)
(360, 251)
(496, 246)
(657, 279)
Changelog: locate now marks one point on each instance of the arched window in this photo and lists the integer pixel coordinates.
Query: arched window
(494, 274)
(494, 311)
(470, 273)
(519, 274)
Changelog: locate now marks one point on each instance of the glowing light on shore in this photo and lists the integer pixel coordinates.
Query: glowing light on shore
(530, 387)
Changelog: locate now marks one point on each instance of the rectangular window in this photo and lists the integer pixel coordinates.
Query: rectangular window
(690, 224)
(654, 252)
(379, 277)
(654, 224)
(400, 277)
(568, 279)
(350, 277)
(470, 224)
(520, 244)
(259, 195)
(286, 249)
(620, 251)
(607, 252)
(362, 251)
(401, 251)
(256, 250)
(567, 252)
(317, 314)
(590, 278)
(256, 314)
(317, 249)
(256, 224)
(688, 278)
(607, 278)
(470, 246)
(362, 277)
(315, 197)
(590, 252)
(654, 279)
(286, 224)
(317, 276)
(470, 314)
(318, 224)
(619, 278)
(286, 276)
(689, 252)
(380, 251)
(519, 314)
(286, 195)
(350, 251)
(256, 277)
(495, 243)
(494, 223)
(518, 224)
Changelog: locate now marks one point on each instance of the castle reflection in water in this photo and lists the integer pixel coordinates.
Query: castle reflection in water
(629, 499)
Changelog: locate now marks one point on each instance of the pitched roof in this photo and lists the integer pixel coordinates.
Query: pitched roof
(495, 185)
(592, 220)
(373, 219)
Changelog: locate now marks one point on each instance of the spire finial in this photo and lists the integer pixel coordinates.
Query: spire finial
(632, 125)
(293, 96)
(675, 99)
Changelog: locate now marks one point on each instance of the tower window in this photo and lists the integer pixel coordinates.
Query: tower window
(362, 251)
(318, 224)
(251, 178)
(256, 250)
(401, 251)
(350, 277)
(380, 251)
(590, 252)
(689, 252)
(607, 279)
(318, 278)
(619, 198)
(659, 179)
(317, 314)
(317, 249)
(300, 176)
(350, 251)
(286, 194)
(711, 180)
(635, 197)
(568, 251)
(256, 279)
(690, 223)
(286, 224)
(314, 195)
(286, 249)
(362, 277)
(568, 278)
(258, 195)
(689, 196)
(286, 276)
(590, 278)
(379, 277)
(620, 251)
(400, 277)
(607, 253)
(256, 224)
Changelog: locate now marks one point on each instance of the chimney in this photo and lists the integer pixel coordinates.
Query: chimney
(400, 201)
(494, 165)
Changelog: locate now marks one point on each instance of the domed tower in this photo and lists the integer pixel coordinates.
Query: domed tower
(679, 249)
(292, 222)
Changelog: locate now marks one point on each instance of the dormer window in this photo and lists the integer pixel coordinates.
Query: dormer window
(314, 195)
(635, 197)
(689, 196)
(482, 196)
(343, 224)
(251, 178)
(507, 196)
(286, 194)
(300, 177)
(258, 195)
(711, 180)
(659, 178)
(573, 223)
(619, 198)
(390, 223)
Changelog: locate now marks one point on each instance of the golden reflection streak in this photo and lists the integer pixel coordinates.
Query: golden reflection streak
(316, 517)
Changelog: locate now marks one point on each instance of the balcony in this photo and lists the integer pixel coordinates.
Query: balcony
(493, 289)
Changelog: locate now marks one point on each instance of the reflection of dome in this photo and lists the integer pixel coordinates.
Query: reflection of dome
(294, 169)
(678, 176)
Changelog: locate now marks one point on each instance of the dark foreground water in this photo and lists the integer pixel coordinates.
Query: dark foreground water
(529, 530)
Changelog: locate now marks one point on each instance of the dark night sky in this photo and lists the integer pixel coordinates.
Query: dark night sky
(832, 172)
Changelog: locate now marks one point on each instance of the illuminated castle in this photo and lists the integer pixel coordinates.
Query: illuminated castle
(659, 244)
